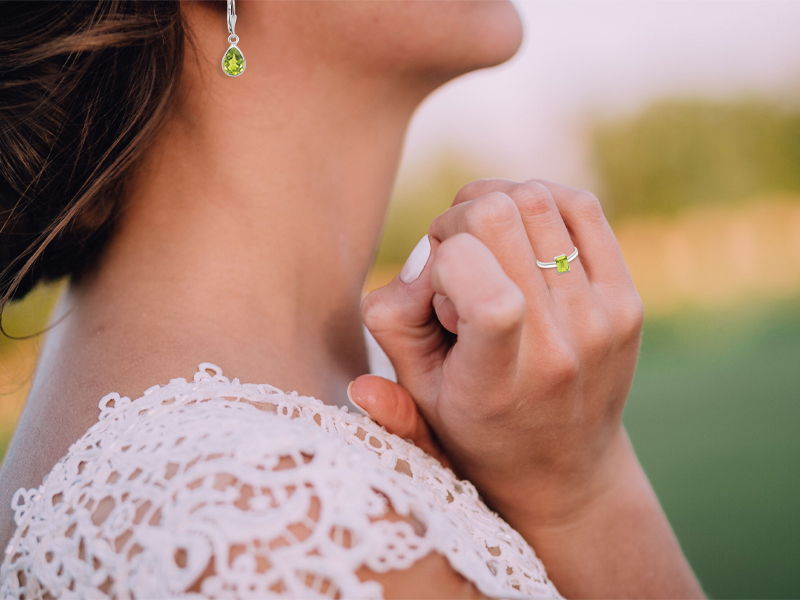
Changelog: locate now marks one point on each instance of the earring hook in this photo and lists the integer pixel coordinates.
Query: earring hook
(231, 16)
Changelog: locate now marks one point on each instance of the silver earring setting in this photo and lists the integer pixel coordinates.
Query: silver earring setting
(233, 63)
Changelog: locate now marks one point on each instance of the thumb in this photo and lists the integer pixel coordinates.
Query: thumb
(390, 405)
(401, 318)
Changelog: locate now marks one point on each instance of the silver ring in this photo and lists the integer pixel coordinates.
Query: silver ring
(561, 263)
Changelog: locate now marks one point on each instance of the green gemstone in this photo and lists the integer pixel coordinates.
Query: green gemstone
(562, 264)
(233, 62)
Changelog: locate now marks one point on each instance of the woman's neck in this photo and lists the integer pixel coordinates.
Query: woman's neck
(249, 231)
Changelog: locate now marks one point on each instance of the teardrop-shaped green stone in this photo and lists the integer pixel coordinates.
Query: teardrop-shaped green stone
(233, 62)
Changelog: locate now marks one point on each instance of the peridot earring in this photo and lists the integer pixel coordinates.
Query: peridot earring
(233, 63)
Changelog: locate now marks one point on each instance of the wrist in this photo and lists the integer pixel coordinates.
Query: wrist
(611, 540)
(557, 499)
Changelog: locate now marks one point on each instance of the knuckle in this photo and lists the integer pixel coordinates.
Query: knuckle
(563, 366)
(454, 247)
(631, 318)
(376, 313)
(469, 190)
(533, 199)
(501, 313)
(437, 227)
(492, 212)
(586, 205)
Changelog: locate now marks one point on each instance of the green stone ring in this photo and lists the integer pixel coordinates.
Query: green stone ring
(560, 263)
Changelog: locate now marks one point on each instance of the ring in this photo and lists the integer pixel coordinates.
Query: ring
(561, 263)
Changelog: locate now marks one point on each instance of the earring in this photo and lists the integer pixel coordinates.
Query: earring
(233, 63)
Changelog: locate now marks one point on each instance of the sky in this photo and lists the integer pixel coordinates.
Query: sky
(598, 59)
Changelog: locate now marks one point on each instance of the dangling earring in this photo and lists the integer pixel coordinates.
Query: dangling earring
(233, 63)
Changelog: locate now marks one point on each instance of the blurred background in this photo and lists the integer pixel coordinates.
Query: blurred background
(684, 118)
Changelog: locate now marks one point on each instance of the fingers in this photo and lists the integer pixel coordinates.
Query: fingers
(605, 267)
(602, 258)
(401, 318)
(546, 231)
(583, 216)
(391, 406)
(490, 307)
(495, 220)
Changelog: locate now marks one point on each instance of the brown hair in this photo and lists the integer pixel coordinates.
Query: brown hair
(83, 88)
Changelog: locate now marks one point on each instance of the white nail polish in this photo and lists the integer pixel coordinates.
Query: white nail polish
(350, 397)
(416, 261)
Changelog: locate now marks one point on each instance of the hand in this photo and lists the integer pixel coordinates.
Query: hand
(521, 372)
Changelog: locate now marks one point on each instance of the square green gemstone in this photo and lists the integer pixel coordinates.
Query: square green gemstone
(562, 265)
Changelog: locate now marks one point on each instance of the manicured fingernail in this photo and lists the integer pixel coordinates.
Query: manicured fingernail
(350, 397)
(416, 261)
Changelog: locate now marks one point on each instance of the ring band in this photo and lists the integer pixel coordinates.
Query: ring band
(561, 263)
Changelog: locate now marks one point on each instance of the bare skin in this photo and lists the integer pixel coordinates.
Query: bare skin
(250, 227)
(527, 400)
(253, 219)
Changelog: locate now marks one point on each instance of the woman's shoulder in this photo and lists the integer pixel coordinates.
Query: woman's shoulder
(219, 487)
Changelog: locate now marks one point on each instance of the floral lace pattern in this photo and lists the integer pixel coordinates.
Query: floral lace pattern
(214, 488)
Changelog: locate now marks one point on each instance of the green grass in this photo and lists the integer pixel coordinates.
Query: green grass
(714, 415)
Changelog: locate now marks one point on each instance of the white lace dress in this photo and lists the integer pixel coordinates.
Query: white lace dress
(214, 488)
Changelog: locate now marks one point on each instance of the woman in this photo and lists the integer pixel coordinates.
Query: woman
(231, 216)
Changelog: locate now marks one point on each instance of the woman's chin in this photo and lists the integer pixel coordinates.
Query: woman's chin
(500, 35)
(433, 38)
(461, 36)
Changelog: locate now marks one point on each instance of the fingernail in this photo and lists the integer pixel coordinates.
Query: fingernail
(416, 261)
(350, 397)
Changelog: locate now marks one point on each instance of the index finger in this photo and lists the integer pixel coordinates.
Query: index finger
(491, 312)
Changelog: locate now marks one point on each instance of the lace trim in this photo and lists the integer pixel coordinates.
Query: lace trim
(224, 489)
